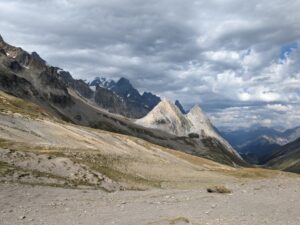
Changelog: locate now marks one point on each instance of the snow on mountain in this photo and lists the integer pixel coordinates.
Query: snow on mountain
(102, 82)
(136, 104)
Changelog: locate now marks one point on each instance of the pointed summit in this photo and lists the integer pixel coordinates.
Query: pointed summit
(196, 109)
(167, 117)
(200, 121)
(102, 82)
(167, 108)
(125, 89)
(197, 114)
(1, 39)
(124, 81)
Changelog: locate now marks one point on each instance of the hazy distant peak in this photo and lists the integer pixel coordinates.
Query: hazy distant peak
(124, 81)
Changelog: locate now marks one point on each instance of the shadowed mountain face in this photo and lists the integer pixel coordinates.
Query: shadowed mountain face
(28, 76)
(256, 144)
(137, 105)
(286, 158)
(180, 107)
(257, 151)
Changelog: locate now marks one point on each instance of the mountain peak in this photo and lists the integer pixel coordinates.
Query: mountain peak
(102, 82)
(167, 117)
(167, 104)
(196, 109)
(36, 57)
(124, 81)
(1, 39)
(198, 117)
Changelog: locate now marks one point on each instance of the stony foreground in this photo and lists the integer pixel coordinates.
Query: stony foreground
(269, 201)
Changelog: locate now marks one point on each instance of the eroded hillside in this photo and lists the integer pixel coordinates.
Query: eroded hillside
(36, 147)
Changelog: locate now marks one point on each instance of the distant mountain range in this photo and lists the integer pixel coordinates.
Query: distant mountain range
(286, 158)
(256, 144)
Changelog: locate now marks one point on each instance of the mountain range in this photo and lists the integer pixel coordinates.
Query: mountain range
(138, 105)
(111, 107)
(168, 117)
(286, 157)
(257, 143)
(116, 106)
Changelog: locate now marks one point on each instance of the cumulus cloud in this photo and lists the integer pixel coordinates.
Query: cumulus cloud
(237, 59)
(279, 107)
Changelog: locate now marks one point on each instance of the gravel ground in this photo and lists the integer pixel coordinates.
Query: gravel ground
(269, 201)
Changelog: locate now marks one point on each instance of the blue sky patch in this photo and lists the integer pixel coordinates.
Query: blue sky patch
(287, 50)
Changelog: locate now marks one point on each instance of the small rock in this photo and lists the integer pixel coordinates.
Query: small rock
(22, 217)
(214, 206)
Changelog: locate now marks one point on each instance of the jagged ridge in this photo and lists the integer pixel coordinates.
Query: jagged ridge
(167, 116)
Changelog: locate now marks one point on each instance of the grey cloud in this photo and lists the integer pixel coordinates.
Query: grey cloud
(221, 54)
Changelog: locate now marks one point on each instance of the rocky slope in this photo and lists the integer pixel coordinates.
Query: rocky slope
(36, 148)
(258, 150)
(286, 158)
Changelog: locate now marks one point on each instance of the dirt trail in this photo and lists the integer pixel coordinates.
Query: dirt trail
(270, 201)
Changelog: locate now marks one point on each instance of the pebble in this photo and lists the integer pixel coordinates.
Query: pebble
(22, 217)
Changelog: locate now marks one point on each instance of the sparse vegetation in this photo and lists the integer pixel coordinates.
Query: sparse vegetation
(179, 220)
(11, 104)
(161, 121)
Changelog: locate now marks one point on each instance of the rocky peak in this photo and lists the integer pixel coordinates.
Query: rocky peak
(138, 104)
(180, 107)
(37, 60)
(150, 100)
(196, 109)
(1, 39)
(167, 105)
(124, 89)
(37, 57)
(124, 82)
(167, 117)
(102, 82)
(197, 113)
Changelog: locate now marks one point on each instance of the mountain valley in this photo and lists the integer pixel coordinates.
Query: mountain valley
(99, 152)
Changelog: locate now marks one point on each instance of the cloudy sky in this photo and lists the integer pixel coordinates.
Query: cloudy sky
(239, 59)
